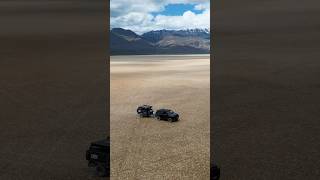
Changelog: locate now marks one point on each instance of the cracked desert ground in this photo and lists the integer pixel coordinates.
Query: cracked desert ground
(145, 148)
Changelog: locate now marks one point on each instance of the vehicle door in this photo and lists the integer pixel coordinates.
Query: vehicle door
(161, 114)
(164, 115)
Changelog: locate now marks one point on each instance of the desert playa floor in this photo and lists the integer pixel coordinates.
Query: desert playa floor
(145, 148)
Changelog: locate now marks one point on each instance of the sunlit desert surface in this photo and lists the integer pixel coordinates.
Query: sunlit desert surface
(145, 148)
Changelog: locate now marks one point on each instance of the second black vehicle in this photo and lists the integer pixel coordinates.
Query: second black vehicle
(167, 114)
(145, 111)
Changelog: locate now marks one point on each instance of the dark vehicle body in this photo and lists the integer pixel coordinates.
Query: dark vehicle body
(98, 156)
(145, 111)
(214, 172)
(167, 114)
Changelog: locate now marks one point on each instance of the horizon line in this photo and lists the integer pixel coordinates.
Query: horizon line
(161, 29)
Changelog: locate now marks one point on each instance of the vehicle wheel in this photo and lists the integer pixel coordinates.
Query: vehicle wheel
(158, 117)
(170, 119)
(101, 170)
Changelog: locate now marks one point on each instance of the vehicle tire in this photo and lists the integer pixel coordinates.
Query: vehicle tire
(170, 119)
(101, 170)
(158, 117)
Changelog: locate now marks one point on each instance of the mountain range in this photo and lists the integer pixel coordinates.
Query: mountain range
(191, 41)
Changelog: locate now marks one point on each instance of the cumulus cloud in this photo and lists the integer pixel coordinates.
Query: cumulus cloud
(123, 7)
(137, 15)
(202, 6)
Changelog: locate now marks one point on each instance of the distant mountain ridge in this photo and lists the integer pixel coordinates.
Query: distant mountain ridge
(190, 41)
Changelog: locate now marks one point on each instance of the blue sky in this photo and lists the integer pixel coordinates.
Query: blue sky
(178, 9)
(146, 15)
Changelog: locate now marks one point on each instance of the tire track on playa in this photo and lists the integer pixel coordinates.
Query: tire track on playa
(137, 144)
(137, 133)
(132, 142)
(133, 149)
(141, 131)
(162, 164)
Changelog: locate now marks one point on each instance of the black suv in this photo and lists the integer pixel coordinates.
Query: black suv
(214, 172)
(98, 156)
(145, 111)
(167, 114)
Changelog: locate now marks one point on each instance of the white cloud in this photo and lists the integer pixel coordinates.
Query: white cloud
(136, 15)
(202, 6)
(123, 7)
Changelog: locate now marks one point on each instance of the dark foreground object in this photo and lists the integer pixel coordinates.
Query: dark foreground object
(214, 172)
(98, 157)
(167, 114)
(145, 111)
